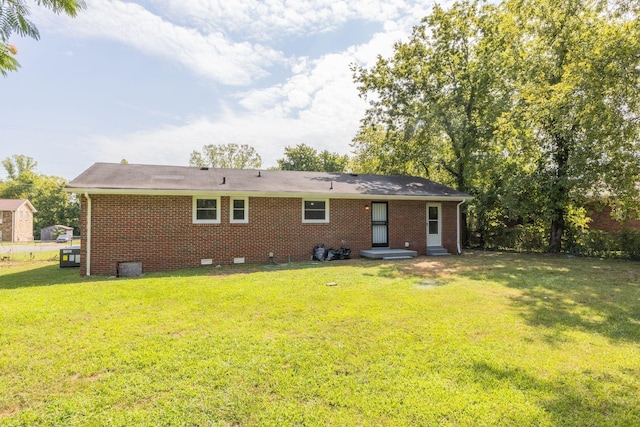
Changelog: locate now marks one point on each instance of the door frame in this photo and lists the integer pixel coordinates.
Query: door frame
(438, 237)
(380, 223)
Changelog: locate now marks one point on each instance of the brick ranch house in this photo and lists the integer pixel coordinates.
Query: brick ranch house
(16, 220)
(171, 217)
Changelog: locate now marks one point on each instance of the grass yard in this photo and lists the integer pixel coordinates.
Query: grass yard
(485, 339)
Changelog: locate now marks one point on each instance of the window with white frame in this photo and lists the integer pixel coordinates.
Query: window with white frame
(206, 210)
(315, 210)
(239, 210)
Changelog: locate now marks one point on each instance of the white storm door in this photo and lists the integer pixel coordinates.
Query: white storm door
(434, 224)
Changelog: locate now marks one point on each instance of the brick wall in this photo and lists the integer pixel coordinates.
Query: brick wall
(408, 223)
(5, 226)
(158, 231)
(23, 221)
(24, 224)
(601, 220)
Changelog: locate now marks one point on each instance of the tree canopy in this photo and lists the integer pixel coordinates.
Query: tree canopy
(305, 158)
(528, 105)
(45, 192)
(14, 18)
(232, 156)
(576, 105)
(434, 104)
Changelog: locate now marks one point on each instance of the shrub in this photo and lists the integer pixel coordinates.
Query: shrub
(521, 238)
(533, 238)
(620, 244)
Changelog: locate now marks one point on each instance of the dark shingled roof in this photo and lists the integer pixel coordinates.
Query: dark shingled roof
(149, 179)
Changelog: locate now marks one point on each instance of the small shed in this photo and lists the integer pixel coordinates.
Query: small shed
(53, 231)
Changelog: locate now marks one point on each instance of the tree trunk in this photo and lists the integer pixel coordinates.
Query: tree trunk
(558, 196)
(557, 231)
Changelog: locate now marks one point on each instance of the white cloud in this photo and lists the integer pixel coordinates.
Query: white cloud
(318, 106)
(211, 54)
(273, 19)
(230, 42)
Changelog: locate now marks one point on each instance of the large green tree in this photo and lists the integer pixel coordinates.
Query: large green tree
(232, 156)
(529, 105)
(305, 158)
(435, 104)
(45, 192)
(18, 164)
(575, 69)
(14, 18)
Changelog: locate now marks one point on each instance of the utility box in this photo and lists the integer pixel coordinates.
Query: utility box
(129, 269)
(70, 257)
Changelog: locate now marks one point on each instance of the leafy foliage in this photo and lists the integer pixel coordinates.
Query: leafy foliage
(232, 156)
(14, 18)
(531, 106)
(438, 98)
(576, 108)
(18, 164)
(46, 193)
(305, 158)
(596, 243)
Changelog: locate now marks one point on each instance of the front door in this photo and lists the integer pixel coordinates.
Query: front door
(434, 224)
(380, 224)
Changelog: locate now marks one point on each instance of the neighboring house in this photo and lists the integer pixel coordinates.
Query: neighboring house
(169, 217)
(53, 231)
(16, 220)
(602, 219)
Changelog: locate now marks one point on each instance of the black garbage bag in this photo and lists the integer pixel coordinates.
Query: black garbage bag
(344, 253)
(319, 252)
(332, 254)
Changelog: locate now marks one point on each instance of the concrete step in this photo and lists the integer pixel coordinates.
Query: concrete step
(437, 251)
(386, 253)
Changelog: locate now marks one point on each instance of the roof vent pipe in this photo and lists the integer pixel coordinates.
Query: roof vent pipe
(331, 188)
(259, 176)
(224, 180)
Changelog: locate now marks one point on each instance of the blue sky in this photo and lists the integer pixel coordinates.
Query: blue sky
(151, 81)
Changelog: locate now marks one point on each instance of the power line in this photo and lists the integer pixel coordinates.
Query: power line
(44, 130)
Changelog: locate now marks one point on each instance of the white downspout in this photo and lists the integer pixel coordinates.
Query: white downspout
(88, 237)
(458, 226)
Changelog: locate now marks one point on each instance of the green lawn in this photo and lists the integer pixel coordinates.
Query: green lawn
(484, 339)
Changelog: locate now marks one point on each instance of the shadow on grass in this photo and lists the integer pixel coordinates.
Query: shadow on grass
(234, 269)
(577, 398)
(584, 294)
(556, 291)
(48, 275)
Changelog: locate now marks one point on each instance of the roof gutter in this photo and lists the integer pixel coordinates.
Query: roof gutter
(458, 226)
(88, 236)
